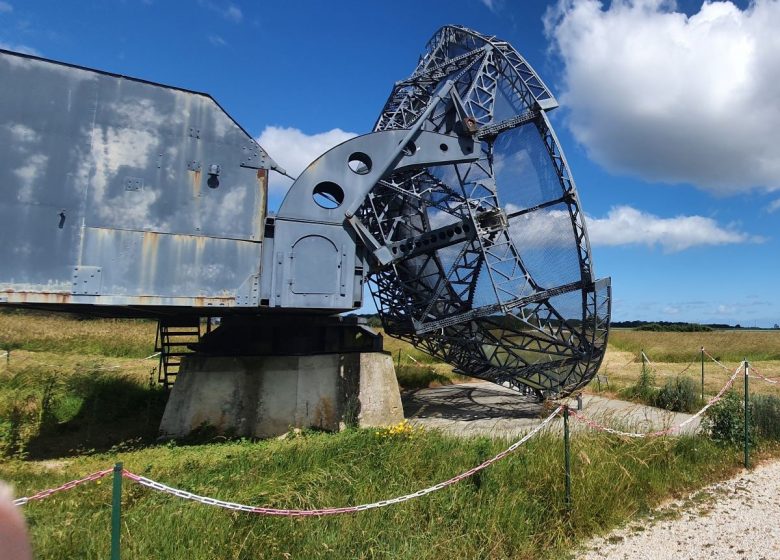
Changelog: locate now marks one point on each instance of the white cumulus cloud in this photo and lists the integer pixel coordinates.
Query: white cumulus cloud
(774, 206)
(294, 150)
(624, 225)
(5, 7)
(668, 97)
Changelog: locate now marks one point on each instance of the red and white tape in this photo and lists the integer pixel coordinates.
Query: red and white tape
(655, 367)
(600, 427)
(67, 486)
(753, 372)
(714, 359)
(338, 510)
(261, 510)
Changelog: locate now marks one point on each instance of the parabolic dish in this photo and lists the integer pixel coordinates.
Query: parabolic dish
(515, 300)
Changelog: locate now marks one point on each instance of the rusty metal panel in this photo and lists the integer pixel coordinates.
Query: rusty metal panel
(149, 264)
(157, 187)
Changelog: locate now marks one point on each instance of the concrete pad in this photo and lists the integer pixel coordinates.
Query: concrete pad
(485, 409)
(265, 396)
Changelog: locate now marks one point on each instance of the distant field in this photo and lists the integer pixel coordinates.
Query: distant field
(682, 347)
(39, 332)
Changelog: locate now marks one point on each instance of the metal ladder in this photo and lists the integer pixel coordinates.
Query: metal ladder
(174, 338)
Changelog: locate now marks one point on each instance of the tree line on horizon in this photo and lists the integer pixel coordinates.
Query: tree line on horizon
(373, 320)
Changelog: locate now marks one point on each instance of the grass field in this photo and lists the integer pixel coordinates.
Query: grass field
(65, 334)
(75, 397)
(733, 345)
(673, 354)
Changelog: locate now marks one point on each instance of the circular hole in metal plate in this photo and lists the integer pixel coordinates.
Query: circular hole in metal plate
(360, 163)
(328, 195)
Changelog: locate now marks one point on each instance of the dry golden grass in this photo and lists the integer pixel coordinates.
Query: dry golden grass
(682, 347)
(624, 368)
(42, 332)
(66, 364)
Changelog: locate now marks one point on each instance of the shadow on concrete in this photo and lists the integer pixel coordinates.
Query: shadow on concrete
(484, 409)
(470, 402)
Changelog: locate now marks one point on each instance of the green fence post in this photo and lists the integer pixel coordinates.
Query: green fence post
(702, 373)
(116, 512)
(747, 417)
(567, 456)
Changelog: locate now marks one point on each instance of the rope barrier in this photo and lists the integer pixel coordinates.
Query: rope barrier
(339, 510)
(158, 486)
(714, 359)
(755, 373)
(600, 427)
(655, 366)
(149, 483)
(67, 486)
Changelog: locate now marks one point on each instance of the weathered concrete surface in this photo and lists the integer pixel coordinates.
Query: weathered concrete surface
(485, 409)
(380, 399)
(265, 396)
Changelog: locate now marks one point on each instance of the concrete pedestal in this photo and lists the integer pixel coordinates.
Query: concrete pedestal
(265, 396)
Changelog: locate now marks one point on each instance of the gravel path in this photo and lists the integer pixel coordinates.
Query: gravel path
(738, 518)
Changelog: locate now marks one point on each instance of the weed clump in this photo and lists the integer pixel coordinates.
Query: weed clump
(644, 389)
(725, 420)
(678, 395)
(765, 416)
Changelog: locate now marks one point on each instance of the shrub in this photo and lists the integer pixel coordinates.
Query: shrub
(765, 415)
(725, 421)
(679, 395)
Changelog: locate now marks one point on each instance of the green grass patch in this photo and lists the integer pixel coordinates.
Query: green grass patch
(48, 411)
(514, 509)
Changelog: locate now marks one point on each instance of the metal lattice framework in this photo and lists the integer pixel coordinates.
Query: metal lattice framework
(504, 292)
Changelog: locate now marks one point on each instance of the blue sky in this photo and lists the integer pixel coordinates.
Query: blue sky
(670, 112)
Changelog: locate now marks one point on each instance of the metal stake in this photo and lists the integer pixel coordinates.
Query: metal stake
(747, 417)
(702, 373)
(116, 512)
(567, 456)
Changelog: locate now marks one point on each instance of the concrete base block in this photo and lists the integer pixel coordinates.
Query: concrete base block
(265, 396)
